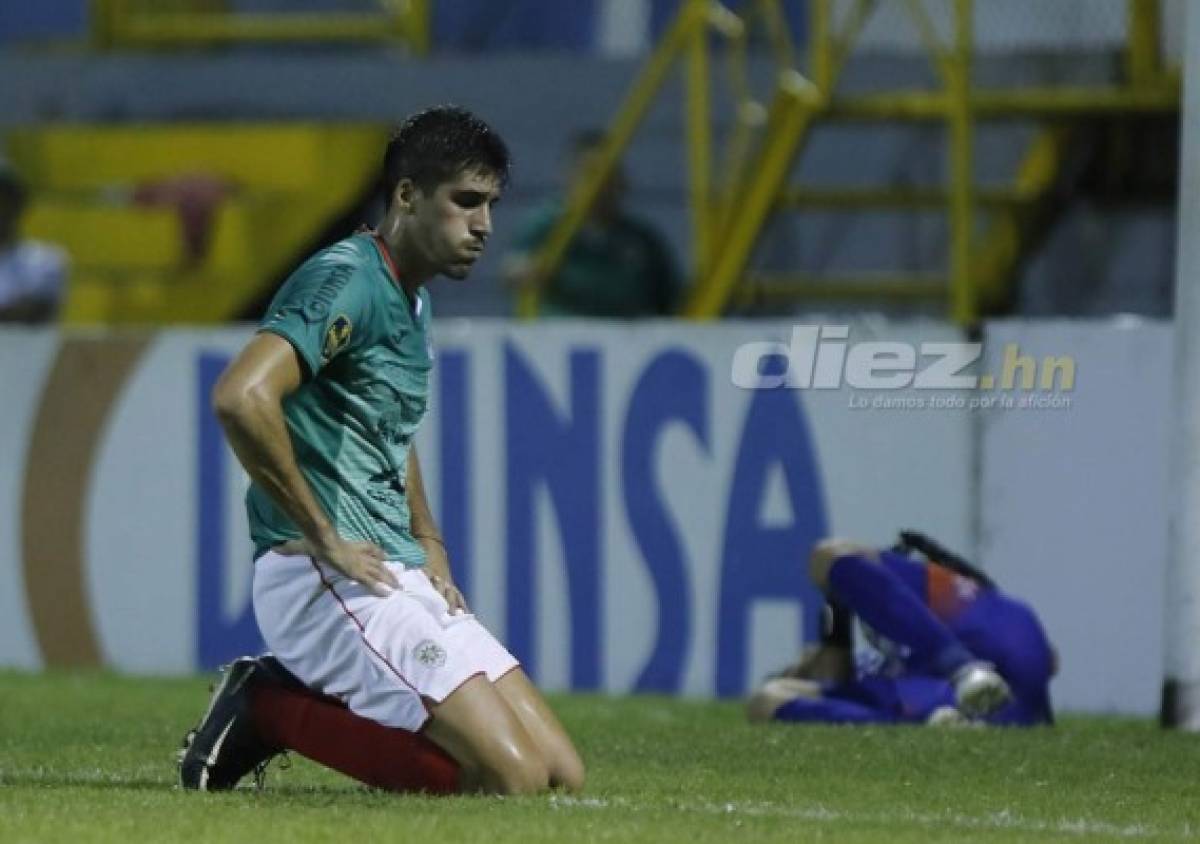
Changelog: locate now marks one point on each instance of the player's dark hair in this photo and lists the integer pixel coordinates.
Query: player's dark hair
(935, 552)
(435, 145)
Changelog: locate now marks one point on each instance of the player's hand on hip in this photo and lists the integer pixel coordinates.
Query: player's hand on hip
(437, 569)
(363, 562)
(453, 595)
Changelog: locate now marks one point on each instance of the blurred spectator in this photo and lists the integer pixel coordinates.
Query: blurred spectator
(616, 266)
(33, 275)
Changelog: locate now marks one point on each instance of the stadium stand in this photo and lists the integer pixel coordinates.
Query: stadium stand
(132, 262)
(1065, 105)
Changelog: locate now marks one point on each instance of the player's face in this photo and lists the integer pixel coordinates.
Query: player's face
(455, 221)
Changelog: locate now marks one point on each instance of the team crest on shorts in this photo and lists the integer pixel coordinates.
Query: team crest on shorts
(430, 654)
(336, 338)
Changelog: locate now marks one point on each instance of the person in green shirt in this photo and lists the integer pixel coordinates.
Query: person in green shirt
(617, 266)
(377, 666)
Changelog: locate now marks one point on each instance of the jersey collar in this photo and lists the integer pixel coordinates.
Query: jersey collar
(386, 255)
(416, 304)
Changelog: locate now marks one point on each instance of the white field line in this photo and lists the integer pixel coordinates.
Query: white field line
(1006, 820)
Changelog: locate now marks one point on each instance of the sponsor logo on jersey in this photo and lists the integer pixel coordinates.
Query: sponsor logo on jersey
(318, 307)
(337, 337)
(430, 654)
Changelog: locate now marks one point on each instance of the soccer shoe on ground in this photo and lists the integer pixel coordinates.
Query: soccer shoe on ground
(774, 693)
(948, 716)
(979, 690)
(225, 746)
(273, 671)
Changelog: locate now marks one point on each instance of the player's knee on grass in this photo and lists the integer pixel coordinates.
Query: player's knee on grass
(826, 552)
(516, 771)
(479, 730)
(563, 764)
(567, 771)
(562, 759)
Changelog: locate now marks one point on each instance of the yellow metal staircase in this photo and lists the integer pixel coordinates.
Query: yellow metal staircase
(990, 227)
(130, 263)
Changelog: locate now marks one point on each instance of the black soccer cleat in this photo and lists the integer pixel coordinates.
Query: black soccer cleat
(225, 746)
(274, 672)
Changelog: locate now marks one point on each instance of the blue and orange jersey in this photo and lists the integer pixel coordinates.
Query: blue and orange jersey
(993, 626)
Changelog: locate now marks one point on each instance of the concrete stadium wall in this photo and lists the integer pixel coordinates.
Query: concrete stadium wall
(618, 511)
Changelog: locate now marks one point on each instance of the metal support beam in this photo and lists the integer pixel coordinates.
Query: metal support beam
(820, 52)
(792, 110)
(699, 136)
(1181, 587)
(999, 249)
(1008, 104)
(963, 307)
(1143, 54)
(689, 24)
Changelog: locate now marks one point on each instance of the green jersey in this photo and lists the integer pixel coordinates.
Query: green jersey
(366, 351)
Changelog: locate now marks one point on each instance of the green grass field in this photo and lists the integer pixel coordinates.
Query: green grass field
(89, 757)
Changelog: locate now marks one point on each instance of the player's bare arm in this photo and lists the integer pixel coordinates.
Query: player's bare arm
(248, 401)
(425, 531)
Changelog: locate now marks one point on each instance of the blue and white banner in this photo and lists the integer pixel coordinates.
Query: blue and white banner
(617, 510)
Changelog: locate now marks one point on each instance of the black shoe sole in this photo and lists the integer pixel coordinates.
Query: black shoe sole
(202, 745)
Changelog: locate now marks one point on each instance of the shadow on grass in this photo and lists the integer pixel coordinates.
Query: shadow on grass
(101, 781)
(55, 779)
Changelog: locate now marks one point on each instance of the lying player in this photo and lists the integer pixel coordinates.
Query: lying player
(400, 686)
(954, 647)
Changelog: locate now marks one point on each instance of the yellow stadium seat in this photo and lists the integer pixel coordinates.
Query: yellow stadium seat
(130, 263)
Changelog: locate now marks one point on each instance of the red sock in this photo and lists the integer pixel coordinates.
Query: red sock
(326, 732)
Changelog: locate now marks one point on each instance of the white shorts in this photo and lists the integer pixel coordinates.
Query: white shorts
(382, 657)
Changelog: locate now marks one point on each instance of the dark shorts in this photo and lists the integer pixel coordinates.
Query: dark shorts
(908, 698)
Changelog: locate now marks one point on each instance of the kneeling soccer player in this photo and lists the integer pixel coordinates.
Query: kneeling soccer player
(398, 685)
(953, 647)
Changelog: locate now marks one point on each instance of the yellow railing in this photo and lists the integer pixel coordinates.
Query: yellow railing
(171, 23)
(979, 265)
(728, 212)
(687, 37)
